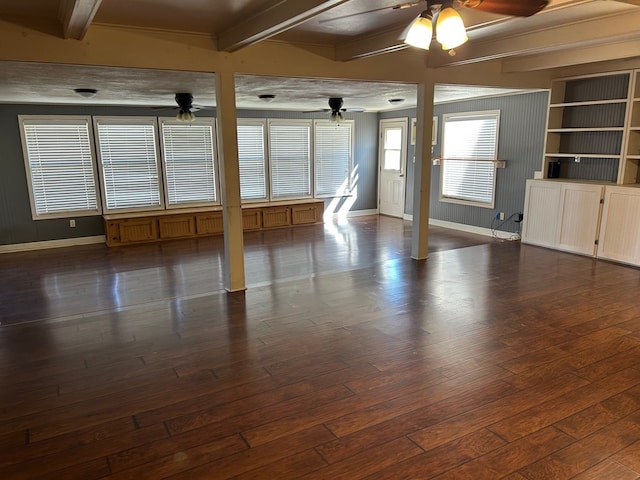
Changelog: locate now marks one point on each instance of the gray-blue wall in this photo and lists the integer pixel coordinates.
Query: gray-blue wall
(16, 225)
(520, 143)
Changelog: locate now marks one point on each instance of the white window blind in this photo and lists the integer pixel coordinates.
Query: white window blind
(332, 157)
(290, 155)
(189, 162)
(469, 151)
(60, 166)
(127, 150)
(251, 156)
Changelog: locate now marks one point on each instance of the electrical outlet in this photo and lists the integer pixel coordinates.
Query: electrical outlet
(501, 215)
(72, 223)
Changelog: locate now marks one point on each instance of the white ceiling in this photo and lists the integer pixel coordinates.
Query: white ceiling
(24, 82)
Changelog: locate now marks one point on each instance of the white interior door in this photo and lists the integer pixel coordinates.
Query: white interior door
(392, 160)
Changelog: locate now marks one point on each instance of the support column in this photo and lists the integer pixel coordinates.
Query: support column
(422, 173)
(230, 182)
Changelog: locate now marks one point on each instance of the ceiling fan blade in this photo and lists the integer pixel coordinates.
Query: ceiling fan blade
(399, 6)
(520, 8)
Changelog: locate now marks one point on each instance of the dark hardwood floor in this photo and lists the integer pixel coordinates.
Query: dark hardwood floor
(344, 359)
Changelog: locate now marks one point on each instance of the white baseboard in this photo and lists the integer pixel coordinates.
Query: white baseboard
(406, 216)
(473, 229)
(354, 213)
(66, 242)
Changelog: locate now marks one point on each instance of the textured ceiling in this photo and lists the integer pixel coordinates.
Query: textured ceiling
(24, 82)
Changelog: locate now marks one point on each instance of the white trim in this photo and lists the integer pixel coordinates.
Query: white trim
(59, 120)
(362, 213)
(351, 213)
(65, 242)
(406, 216)
(209, 121)
(473, 229)
(462, 116)
(403, 122)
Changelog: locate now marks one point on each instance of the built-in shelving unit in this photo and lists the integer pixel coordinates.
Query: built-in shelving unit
(631, 171)
(591, 206)
(587, 127)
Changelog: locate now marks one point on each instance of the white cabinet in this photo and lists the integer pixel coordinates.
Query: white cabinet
(541, 213)
(562, 215)
(579, 218)
(620, 229)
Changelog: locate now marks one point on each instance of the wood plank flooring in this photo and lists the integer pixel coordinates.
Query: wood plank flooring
(344, 359)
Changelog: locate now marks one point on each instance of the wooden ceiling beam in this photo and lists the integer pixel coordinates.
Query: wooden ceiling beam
(577, 35)
(272, 21)
(575, 56)
(76, 17)
(370, 45)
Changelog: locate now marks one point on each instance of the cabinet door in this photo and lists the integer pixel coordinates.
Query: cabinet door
(541, 202)
(620, 228)
(579, 218)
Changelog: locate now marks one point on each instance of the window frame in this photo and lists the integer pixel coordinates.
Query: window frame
(124, 120)
(163, 161)
(60, 120)
(279, 121)
(349, 187)
(262, 122)
(495, 114)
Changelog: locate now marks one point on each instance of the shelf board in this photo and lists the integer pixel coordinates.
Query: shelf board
(586, 129)
(587, 103)
(582, 155)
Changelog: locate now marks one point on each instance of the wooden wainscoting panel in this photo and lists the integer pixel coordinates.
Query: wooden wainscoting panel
(123, 229)
(112, 232)
(209, 223)
(276, 217)
(175, 226)
(139, 230)
(252, 219)
(309, 213)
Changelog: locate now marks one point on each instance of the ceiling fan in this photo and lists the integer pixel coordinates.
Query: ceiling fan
(442, 17)
(335, 107)
(186, 107)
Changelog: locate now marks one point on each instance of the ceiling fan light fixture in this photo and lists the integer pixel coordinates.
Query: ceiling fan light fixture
(420, 32)
(336, 117)
(450, 30)
(185, 116)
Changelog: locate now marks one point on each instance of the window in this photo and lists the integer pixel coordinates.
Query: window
(392, 148)
(290, 155)
(60, 167)
(189, 162)
(251, 157)
(469, 152)
(128, 161)
(332, 157)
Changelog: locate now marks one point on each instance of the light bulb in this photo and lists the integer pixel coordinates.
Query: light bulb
(450, 31)
(420, 33)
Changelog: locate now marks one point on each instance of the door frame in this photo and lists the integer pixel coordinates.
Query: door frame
(403, 157)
